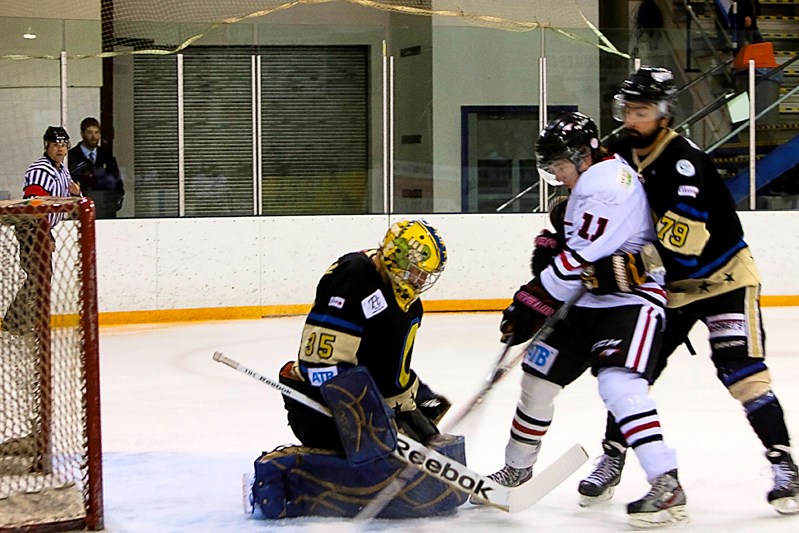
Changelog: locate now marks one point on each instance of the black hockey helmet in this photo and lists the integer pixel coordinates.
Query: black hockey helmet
(55, 134)
(649, 85)
(571, 136)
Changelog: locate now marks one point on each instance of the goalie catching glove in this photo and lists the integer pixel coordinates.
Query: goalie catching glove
(625, 271)
(531, 306)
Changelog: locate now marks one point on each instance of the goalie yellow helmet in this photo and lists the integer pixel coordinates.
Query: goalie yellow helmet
(412, 255)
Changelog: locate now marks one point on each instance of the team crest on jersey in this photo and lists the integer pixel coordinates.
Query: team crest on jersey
(336, 301)
(688, 190)
(541, 356)
(625, 178)
(374, 304)
(686, 168)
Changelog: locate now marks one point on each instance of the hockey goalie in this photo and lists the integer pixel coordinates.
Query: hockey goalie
(355, 359)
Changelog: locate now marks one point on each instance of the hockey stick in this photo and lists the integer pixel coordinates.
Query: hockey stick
(382, 498)
(501, 367)
(437, 465)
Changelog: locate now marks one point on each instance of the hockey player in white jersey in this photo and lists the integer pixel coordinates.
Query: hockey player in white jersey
(616, 335)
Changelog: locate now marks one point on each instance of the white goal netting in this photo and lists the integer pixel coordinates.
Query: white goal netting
(49, 391)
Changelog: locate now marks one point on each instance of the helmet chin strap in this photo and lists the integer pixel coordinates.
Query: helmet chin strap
(577, 159)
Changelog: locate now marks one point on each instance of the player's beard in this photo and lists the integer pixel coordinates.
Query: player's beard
(637, 140)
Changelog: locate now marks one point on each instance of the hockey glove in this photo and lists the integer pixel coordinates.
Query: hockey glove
(625, 271)
(547, 246)
(416, 425)
(435, 408)
(432, 405)
(548, 243)
(531, 306)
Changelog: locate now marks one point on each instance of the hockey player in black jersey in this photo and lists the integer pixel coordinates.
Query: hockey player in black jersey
(355, 358)
(710, 277)
(367, 312)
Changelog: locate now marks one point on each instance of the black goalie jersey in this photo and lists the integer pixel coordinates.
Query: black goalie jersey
(355, 320)
(700, 235)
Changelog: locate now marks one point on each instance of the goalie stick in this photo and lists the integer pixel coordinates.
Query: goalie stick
(501, 367)
(443, 468)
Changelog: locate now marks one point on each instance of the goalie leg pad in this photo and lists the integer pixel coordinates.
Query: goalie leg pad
(362, 418)
(297, 481)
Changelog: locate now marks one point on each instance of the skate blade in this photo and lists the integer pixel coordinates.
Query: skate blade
(788, 505)
(665, 517)
(590, 501)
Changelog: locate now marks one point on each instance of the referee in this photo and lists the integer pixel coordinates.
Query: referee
(47, 176)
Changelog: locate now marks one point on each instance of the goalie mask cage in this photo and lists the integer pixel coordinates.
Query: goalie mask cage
(50, 449)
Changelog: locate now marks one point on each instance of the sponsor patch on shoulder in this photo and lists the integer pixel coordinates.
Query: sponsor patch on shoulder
(688, 190)
(625, 178)
(374, 304)
(686, 168)
(336, 301)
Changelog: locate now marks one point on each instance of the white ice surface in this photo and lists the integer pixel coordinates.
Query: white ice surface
(180, 429)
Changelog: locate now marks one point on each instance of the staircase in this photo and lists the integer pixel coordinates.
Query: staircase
(779, 24)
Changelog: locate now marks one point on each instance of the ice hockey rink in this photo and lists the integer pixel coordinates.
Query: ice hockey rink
(180, 429)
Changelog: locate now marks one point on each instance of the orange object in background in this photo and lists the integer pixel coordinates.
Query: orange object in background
(762, 53)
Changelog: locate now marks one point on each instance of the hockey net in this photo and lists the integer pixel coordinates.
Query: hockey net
(50, 455)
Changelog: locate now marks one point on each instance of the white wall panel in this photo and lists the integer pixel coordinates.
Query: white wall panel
(296, 251)
(127, 259)
(232, 262)
(774, 239)
(488, 255)
(213, 262)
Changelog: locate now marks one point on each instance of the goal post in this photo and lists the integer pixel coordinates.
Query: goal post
(50, 437)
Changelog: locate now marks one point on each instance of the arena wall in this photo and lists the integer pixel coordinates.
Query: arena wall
(228, 268)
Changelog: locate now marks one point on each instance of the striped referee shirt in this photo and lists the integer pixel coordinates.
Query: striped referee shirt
(43, 179)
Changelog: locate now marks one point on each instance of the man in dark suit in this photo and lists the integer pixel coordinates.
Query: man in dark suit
(96, 170)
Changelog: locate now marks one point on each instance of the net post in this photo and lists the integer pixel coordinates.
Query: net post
(91, 349)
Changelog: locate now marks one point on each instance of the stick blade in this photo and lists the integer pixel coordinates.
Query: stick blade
(548, 480)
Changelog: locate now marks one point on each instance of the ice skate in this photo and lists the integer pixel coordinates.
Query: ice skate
(508, 477)
(784, 496)
(663, 505)
(600, 484)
